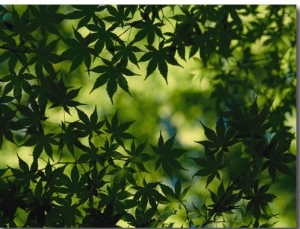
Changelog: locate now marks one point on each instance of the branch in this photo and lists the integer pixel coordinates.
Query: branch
(186, 212)
(216, 207)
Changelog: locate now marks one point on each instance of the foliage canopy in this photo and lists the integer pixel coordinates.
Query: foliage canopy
(84, 168)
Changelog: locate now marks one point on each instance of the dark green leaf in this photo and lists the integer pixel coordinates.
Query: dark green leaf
(111, 88)
(209, 133)
(178, 187)
(75, 174)
(167, 190)
(220, 128)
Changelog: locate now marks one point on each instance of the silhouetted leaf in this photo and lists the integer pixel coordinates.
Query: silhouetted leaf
(209, 166)
(23, 165)
(158, 58)
(167, 155)
(113, 75)
(117, 130)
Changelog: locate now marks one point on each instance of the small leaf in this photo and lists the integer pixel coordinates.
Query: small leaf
(94, 116)
(283, 168)
(111, 88)
(100, 81)
(38, 149)
(202, 172)
(160, 142)
(178, 187)
(152, 65)
(220, 128)
(38, 189)
(184, 192)
(209, 179)
(114, 120)
(74, 174)
(214, 197)
(163, 69)
(264, 188)
(122, 82)
(23, 165)
(221, 190)
(287, 158)
(169, 143)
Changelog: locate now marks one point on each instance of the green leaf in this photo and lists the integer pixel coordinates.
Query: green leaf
(167, 191)
(167, 154)
(75, 174)
(209, 166)
(178, 187)
(163, 69)
(184, 192)
(37, 151)
(214, 197)
(220, 128)
(34, 165)
(151, 67)
(82, 116)
(209, 133)
(3, 171)
(122, 82)
(38, 190)
(283, 168)
(169, 143)
(100, 81)
(202, 172)
(160, 142)
(264, 188)
(111, 88)
(210, 179)
(287, 158)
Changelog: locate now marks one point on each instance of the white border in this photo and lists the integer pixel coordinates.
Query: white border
(153, 2)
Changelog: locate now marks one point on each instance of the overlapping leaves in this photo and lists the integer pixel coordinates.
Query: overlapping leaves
(224, 200)
(250, 121)
(219, 140)
(167, 155)
(7, 124)
(278, 156)
(46, 18)
(88, 125)
(259, 200)
(177, 193)
(137, 156)
(85, 13)
(148, 194)
(17, 82)
(41, 142)
(117, 130)
(209, 166)
(78, 51)
(108, 37)
(44, 57)
(32, 118)
(59, 94)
